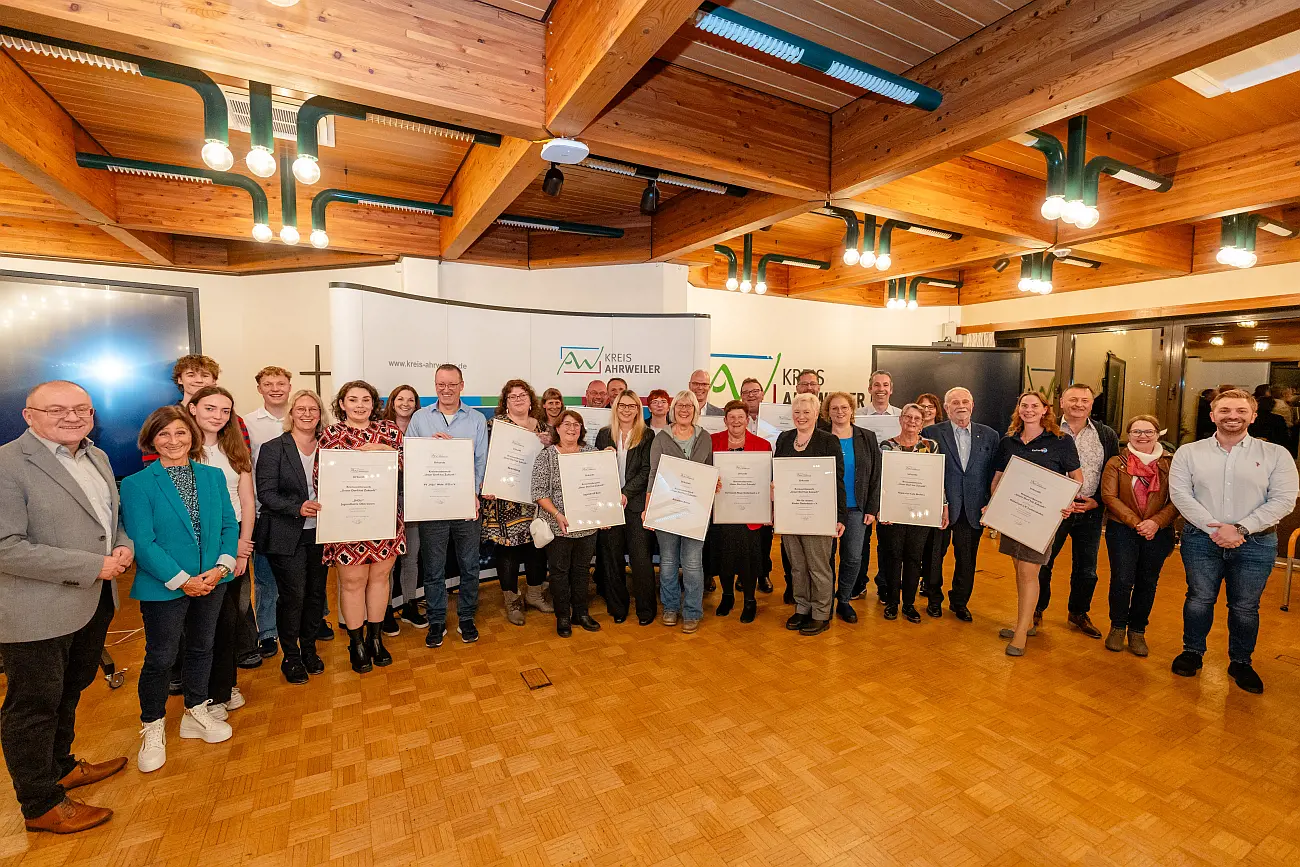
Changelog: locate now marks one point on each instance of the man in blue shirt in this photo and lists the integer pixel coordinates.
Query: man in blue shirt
(451, 419)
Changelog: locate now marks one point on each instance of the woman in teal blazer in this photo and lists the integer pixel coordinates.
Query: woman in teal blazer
(179, 514)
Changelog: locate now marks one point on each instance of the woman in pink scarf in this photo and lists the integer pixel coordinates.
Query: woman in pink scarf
(1140, 533)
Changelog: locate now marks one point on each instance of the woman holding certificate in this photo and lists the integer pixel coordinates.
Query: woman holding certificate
(363, 567)
(861, 493)
(1035, 436)
(505, 523)
(903, 546)
(1140, 532)
(402, 403)
(741, 556)
(569, 553)
(811, 580)
(630, 439)
(686, 440)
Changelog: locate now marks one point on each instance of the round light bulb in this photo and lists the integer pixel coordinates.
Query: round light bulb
(261, 233)
(1247, 259)
(1025, 284)
(850, 256)
(1072, 210)
(217, 156)
(745, 286)
(283, 3)
(1226, 255)
(760, 289)
(1088, 217)
(319, 239)
(883, 261)
(1051, 209)
(1045, 286)
(289, 235)
(306, 169)
(889, 304)
(732, 284)
(260, 161)
(868, 259)
(911, 304)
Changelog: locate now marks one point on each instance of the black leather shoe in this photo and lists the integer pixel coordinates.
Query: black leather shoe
(891, 612)
(379, 654)
(962, 614)
(724, 607)
(1245, 677)
(846, 613)
(437, 629)
(934, 609)
(645, 621)
(1186, 664)
(587, 622)
(268, 647)
(618, 620)
(912, 615)
(563, 629)
(325, 632)
(814, 627)
(358, 652)
(765, 584)
(788, 598)
(391, 626)
(294, 671)
(748, 611)
(797, 621)
(250, 660)
(411, 614)
(314, 664)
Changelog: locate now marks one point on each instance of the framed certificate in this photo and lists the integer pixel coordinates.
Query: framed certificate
(746, 495)
(778, 415)
(511, 453)
(712, 423)
(885, 427)
(804, 496)
(1028, 502)
(593, 418)
(681, 497)
(593, 497)
(438, 480)
(358, 496)
(911, 488)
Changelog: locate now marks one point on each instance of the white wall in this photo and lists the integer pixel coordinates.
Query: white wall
(790, 334)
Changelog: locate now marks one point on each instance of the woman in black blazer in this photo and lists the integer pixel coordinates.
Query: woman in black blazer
(810, 556)
(632, 445)
(286, 533)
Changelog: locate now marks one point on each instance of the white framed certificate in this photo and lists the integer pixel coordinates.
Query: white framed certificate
(593, 419)
(681, 497)
(805, 497)
(746, 495)
(1028, 502)
(358, 496)
(593, 497)
(885, 427)
(511, 454)
(438, 480)
(778, 415)
(911, 488)
(712, 423)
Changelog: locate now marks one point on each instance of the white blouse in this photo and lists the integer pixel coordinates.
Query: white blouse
(215, 457)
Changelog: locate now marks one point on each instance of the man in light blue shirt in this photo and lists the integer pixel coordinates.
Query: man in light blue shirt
(451, 419)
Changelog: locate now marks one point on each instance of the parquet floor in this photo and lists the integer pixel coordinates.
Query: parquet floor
(747, 746)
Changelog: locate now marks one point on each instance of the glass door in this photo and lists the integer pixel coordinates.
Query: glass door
(1126, 369)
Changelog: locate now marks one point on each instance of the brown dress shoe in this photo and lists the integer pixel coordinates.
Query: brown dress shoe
(69, 817)
(85, 773)
(1083, 623)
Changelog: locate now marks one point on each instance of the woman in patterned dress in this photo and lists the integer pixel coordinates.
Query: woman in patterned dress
(505, 523)
(363, 567)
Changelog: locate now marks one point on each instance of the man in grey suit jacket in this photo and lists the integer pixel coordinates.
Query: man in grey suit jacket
(61, 545)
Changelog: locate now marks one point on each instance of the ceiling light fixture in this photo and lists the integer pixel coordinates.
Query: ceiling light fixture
(261, 156)
(1261, 345)
(1216, 340)
(732, 282)
(884, 257)
(288, 203)
(650, 198)
(852, 255)
(780, 259)
(553, 182)
(539, 224)
(319, 237)
(1237, 238)
(166, 171)
(632, 170)
(922, 280)
(745, 285)
(867, 244)
(1036, 273)
(1247, 323)
(1051, 148)
(731, 25)
(1001, 264)
(283, 4)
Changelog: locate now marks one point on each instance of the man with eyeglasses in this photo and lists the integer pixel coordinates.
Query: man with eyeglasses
(61, 545)
(699, 386)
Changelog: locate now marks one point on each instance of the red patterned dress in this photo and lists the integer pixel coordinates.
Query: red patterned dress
(341, 436)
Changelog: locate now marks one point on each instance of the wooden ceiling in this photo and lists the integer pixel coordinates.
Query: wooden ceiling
(638, 82)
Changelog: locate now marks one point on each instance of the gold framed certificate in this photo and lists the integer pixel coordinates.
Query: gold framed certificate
(805, 497)
(438, 480)
(358, 495)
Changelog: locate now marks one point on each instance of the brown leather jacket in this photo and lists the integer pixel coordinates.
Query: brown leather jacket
(1117, 493)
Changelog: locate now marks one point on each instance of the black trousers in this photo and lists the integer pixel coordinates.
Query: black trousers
(1083, 529)
(633, 540)
(246, 626)
(569, 560)
(225, 642)
(508, 559)
(38, 718)
(300, 579)
(901, 550)
(965, 541)
(765, 535)
(740, 558)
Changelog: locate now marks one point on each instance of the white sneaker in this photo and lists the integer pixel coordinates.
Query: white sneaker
(199, 722)
(153, 746)
(236, 699)
(218, 712)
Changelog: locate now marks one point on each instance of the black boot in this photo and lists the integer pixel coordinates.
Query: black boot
(379, 655)
(358, 652)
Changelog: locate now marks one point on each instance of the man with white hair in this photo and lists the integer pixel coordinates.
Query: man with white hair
(969, 448)
(699, 386)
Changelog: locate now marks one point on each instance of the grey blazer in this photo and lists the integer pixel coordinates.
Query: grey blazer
(51, 543)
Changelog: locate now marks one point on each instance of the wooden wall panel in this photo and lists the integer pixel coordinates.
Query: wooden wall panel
(70, 241)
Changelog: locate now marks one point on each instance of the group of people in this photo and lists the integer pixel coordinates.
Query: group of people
(220, 526)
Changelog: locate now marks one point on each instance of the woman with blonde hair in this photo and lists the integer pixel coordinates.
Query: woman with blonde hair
(684, 439)
(628, 436)
(1036, 436)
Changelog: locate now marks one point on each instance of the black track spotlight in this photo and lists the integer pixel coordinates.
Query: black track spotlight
(553, 182)
(650, 197)
(1001, 264)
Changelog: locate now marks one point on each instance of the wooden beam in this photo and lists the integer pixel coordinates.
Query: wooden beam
(488, 181)
(912, 255)
(46, 239)
(503, 246)
(981, 283)
(560, 250)
(154, 246)
(1166, 251)
(594, 47)
(1044, 62)
(682, 121)
(1165, 311)
(697, 221)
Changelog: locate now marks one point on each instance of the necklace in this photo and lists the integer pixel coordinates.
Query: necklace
(800, 446)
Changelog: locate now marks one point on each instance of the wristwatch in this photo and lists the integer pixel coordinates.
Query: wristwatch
(1242, 530)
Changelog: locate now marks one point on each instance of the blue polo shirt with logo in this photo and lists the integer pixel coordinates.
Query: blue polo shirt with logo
(1048, 450)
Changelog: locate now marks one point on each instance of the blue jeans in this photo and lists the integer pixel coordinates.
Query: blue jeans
(677, 550)
(1244, 569)
(855, 534)
(265, 595)
(434, 538)
(1083, 529)
(164, 622)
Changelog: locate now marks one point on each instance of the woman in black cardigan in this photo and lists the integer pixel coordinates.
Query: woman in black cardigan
(632, 444)
(286, 533)
(810, 556)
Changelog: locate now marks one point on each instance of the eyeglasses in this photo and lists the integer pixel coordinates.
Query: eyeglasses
(1142, 433)
(306, 410)
(750, 392)
(82, 412)
(517, 396)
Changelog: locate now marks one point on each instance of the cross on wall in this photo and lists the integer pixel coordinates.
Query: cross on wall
(317, 373)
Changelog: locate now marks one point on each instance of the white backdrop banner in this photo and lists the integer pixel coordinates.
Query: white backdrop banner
(389, 338)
